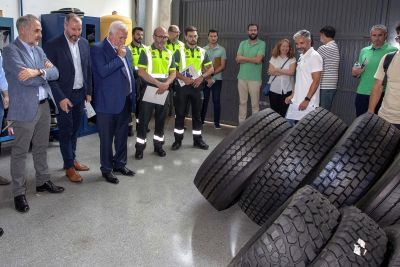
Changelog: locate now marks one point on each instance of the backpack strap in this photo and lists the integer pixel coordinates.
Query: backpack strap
(386, 63)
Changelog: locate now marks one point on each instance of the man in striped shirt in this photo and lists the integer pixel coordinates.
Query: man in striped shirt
(330, 54)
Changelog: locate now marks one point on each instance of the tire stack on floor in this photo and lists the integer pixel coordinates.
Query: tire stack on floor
(303, 184)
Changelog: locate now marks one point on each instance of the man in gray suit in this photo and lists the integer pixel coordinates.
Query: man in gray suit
(27, 71)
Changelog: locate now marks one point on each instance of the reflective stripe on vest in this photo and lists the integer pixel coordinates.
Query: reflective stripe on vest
(197, 63)
(150, 64)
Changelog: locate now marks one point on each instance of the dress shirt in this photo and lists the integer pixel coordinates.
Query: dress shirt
(126, 67)
(76, 58)
(42, 92)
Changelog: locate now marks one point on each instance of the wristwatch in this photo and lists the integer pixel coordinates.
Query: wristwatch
(307, 98)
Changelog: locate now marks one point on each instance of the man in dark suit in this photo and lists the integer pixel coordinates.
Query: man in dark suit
(27, 71)
(114, 91)
(70, 53)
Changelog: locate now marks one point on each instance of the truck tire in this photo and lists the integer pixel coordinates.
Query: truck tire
(295, 157)
(294, 235)
(225, 172)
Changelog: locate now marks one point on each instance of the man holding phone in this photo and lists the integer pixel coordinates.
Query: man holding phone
(367, 65)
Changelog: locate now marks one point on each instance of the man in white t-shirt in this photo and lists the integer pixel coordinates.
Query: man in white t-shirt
(390, 108)
(305, 96)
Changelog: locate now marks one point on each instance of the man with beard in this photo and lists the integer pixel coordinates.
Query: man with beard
(191, 91)
(70, 53)
(28, 71)
(136, 47)
(305, 95)
(250, 56)
(157, 68)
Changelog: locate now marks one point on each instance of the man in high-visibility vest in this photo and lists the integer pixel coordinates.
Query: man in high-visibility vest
(157, 68)
(190, 91)
(173, 44)
(136, 47)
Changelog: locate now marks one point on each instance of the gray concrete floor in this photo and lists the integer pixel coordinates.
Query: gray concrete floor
(156, 218)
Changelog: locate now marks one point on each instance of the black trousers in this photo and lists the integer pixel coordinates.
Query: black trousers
(146, 111)
(277, 102)
(69, 125)
(113, 128)
(184, 95)
(362, 102)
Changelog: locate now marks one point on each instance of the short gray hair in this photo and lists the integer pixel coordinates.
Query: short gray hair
(24, 21)
(378, 27)
(116, 26)
(302, 33)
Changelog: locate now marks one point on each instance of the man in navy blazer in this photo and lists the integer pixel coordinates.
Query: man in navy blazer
(114, 91)
(28, 71)
(70, 53)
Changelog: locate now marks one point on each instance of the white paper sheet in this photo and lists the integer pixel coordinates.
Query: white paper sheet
(89, 110)
(294, 113)
(151, 96)
(189, 71)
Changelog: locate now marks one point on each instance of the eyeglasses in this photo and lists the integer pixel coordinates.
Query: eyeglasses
(162, 37)
(397, 38)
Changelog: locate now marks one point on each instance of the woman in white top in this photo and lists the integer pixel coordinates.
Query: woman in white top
(282, 67)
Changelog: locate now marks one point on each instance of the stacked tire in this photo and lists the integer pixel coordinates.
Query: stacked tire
(347, 182)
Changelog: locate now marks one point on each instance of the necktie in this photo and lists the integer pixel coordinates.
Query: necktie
(124, 70)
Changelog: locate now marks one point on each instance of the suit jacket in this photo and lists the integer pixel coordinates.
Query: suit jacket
(58, 52)
(24, 95)
(109, 80)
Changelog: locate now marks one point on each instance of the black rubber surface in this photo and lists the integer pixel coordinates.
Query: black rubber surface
(358, 241)
(393, 248)
(382, 202)
(295, 233)
(224, 174)
(296, 155)
(360, 157)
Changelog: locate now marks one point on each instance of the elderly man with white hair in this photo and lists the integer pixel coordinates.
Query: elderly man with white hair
(305, 96)
(114, 93)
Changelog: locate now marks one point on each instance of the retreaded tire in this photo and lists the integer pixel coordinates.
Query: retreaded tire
(356, 162)
(224, 174)
(294, 235)
(358, 241)
(295, 157)
(382, 202)
(393, 248)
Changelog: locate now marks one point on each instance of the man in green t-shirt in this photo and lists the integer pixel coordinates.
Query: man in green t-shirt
(367, 64)
(250, 56)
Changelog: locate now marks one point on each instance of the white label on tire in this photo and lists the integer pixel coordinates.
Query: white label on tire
(359, 248)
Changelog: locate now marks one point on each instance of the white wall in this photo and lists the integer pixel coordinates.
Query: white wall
(94, 8)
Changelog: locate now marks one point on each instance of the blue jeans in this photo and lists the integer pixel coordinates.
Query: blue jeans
(326, 98)
(216, 97)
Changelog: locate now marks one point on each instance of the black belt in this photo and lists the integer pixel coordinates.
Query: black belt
(43, 101)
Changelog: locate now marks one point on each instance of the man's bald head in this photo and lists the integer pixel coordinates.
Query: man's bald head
(160, 37)
(173, 33)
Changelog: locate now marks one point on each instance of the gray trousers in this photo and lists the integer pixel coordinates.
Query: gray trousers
(38, 132)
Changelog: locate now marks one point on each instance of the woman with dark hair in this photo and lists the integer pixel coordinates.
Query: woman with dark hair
(282, 67)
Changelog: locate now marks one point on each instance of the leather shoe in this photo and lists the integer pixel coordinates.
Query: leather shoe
(49, 187)
(160, 151)
(1, 231)
(21, 204)
(176, 145)
(200, 144)
(4, 181)
(73, 175)
(124, 171)
(138, 154)
(80, 167)
(110, 177)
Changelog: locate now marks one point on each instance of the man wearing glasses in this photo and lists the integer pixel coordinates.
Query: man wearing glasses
(157, 68)
(367, 65)
(388, 73)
